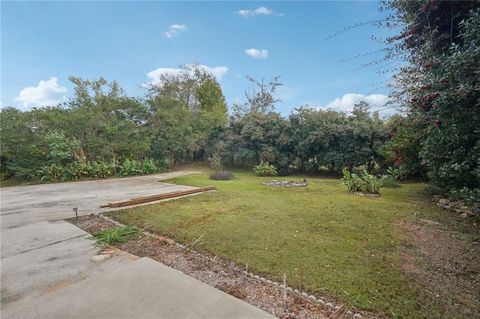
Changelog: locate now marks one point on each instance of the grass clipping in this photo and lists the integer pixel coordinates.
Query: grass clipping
(117, 235)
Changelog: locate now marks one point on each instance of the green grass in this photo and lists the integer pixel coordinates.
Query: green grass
(11, 182)
(117, 235)
(326, 239)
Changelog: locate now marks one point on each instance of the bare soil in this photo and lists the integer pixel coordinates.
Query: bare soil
(224, 275)
(445, 263)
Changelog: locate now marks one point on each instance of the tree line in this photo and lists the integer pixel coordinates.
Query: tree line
(184, 118)
(181, 120)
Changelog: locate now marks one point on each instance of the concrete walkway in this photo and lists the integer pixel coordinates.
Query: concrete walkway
(48, 268)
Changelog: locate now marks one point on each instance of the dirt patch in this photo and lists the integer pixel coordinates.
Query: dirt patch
(227, 276)
(446, 264)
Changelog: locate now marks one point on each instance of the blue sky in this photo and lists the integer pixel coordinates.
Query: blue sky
(43, 43)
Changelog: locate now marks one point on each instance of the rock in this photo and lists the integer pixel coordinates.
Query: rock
(443, 201)
(463, 211)
(329, 306)
(467, 214)
(296, 291)
(349, 313)
(98, 258)
(357, 316)
(321, 302)
(312, 298)
(304, 294)
(443, 206)
(289, 289)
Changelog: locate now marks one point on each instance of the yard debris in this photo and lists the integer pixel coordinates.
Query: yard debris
(152, 198)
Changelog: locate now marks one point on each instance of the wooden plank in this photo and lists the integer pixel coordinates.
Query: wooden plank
(151, 198)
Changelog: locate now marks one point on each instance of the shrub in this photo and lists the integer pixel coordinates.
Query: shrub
(265, 169)
(391, 179)
(388, 181)
(222, 176)
(51, 173)
(134, 167)
(95, 169)
(467, 195)
(364, 183)
(216, 162)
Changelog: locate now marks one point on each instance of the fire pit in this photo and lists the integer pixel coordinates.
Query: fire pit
(275, 183)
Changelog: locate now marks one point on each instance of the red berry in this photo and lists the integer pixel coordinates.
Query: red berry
(437, 123)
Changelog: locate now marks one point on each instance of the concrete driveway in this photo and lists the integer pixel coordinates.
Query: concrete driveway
(50, 269)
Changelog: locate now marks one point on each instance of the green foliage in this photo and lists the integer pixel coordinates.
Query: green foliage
(60, 149)
(135, 167)
(363, 183)
(335, 139)
(467, 195)
(79, 170)
(184, 110)
(216, 162)
(404, 146)
(440, 88)
(265, 169)
(117, 235)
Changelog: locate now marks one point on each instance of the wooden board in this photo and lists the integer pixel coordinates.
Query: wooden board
(152, 198)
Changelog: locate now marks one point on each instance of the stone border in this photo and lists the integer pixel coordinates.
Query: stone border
(287, 184)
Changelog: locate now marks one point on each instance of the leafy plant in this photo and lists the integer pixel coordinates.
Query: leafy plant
(117, 235)
(388, 181)
(363, 183)
(265, 169)
(132, 167)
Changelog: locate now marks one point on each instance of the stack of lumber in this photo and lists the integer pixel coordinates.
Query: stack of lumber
(152, 198)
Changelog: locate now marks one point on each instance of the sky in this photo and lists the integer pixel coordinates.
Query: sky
(43, 43)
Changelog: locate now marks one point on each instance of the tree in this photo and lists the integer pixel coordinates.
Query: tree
(185, 108)
(105, 121)
(336, 140)
(260, 98)
(440, 86)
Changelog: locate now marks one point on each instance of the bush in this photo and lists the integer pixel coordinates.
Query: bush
(95, 169)
(51, 173)
(467, 195)
(388, 181)
(364, 183)
(216, 162)
(391, 179)
(135, 167)
(222, 176)
(265, 169)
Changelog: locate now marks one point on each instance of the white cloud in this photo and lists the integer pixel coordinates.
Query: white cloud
(257, 53)
(175, 29)
(217, 71)
(46, 93)
(258, 11)
(347, 101)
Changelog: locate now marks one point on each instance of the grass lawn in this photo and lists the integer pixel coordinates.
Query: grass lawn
(327, 240)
